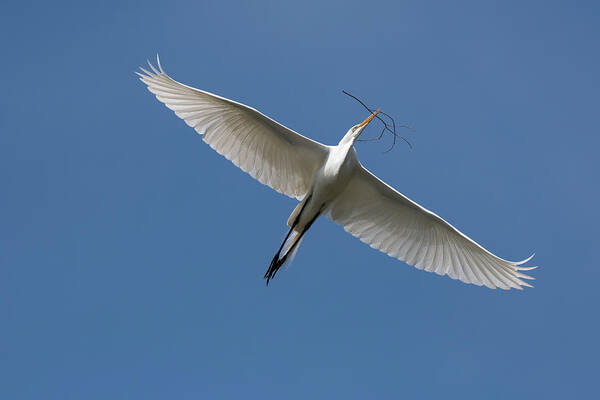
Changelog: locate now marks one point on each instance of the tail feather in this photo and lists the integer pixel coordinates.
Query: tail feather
(291, 253)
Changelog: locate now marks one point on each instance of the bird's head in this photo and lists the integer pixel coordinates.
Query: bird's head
(356, 130)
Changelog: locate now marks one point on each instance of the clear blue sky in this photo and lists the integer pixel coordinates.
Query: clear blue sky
(132, 255)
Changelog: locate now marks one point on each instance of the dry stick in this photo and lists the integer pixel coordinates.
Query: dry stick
(385, 125)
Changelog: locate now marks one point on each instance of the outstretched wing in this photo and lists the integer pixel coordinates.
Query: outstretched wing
(388, 221)
(273, 154)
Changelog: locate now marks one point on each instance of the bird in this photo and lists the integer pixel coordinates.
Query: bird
(330, 181)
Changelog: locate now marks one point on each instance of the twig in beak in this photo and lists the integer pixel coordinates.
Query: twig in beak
(386, 127)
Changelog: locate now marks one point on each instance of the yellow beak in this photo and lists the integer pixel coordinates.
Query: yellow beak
(369, 118)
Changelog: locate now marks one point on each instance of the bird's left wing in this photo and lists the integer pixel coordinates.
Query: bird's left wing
(271, 153)
(388, 221)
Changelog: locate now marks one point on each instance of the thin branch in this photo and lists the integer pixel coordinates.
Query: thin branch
(386, 126)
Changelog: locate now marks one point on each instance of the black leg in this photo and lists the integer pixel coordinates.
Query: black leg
(277, 262)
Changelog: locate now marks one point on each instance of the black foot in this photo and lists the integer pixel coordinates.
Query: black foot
(273, 268)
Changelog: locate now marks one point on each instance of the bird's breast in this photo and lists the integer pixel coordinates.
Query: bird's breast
(332, 178)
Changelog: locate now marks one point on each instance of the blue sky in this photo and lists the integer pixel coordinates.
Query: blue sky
(132, 255)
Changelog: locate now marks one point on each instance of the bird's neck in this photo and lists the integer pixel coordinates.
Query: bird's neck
(343, 149)
(348, 139)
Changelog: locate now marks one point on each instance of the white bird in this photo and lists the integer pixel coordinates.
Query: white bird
(329, 180)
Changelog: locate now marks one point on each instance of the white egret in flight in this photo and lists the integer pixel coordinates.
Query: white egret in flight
(329, 180)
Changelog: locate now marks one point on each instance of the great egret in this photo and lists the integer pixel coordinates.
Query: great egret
(329, 180)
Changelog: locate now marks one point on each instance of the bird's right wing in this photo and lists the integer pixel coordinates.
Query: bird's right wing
(271, 153)
(388, 221)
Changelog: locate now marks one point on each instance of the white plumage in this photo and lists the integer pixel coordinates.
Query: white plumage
(330, 180)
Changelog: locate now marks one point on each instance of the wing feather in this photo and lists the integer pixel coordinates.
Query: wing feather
(271, 153)
(388, 221)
